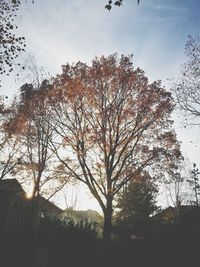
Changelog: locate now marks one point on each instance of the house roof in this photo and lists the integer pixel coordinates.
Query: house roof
(11, 186)
(185, 211)
(46, 204)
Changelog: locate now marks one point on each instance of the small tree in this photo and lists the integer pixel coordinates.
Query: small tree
(195, 184)
(137, 202)
(175, 183)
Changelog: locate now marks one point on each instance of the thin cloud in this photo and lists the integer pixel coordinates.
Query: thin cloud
(169, 8)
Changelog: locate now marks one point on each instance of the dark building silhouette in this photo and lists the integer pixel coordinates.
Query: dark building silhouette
(17, 210)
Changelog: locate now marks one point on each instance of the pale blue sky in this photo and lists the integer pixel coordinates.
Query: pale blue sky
(70, 30)
(155, 32)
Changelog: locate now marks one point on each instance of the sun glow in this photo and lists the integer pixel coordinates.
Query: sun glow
(28, 195)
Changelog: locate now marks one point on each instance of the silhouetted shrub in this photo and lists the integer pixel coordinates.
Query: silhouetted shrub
(64, 240)
(68, 229)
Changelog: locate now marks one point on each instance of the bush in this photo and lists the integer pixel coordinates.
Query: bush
(67, 230)
(65, 241)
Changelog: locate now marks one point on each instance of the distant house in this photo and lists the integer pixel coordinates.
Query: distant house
(182, 223)
(185, 214)
(167, 215)
(17, 210)
(82, 215)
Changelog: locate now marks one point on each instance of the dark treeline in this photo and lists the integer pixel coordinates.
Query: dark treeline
(55, 243)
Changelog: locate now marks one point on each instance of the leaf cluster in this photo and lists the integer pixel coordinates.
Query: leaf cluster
(10, 44)
(117, 3)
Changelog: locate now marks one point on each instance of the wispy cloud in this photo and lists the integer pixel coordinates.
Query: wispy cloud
(168, 7)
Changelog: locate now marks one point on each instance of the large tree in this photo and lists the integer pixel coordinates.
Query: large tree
(112, 125)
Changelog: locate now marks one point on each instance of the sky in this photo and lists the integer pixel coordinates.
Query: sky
(155, 32)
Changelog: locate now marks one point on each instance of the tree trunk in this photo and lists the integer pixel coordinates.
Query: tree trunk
(36, 188)
(107, 228)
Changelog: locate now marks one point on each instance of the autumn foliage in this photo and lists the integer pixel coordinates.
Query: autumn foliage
(112, 125)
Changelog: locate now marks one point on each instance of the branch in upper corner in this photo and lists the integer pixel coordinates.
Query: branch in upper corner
(116, 3)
